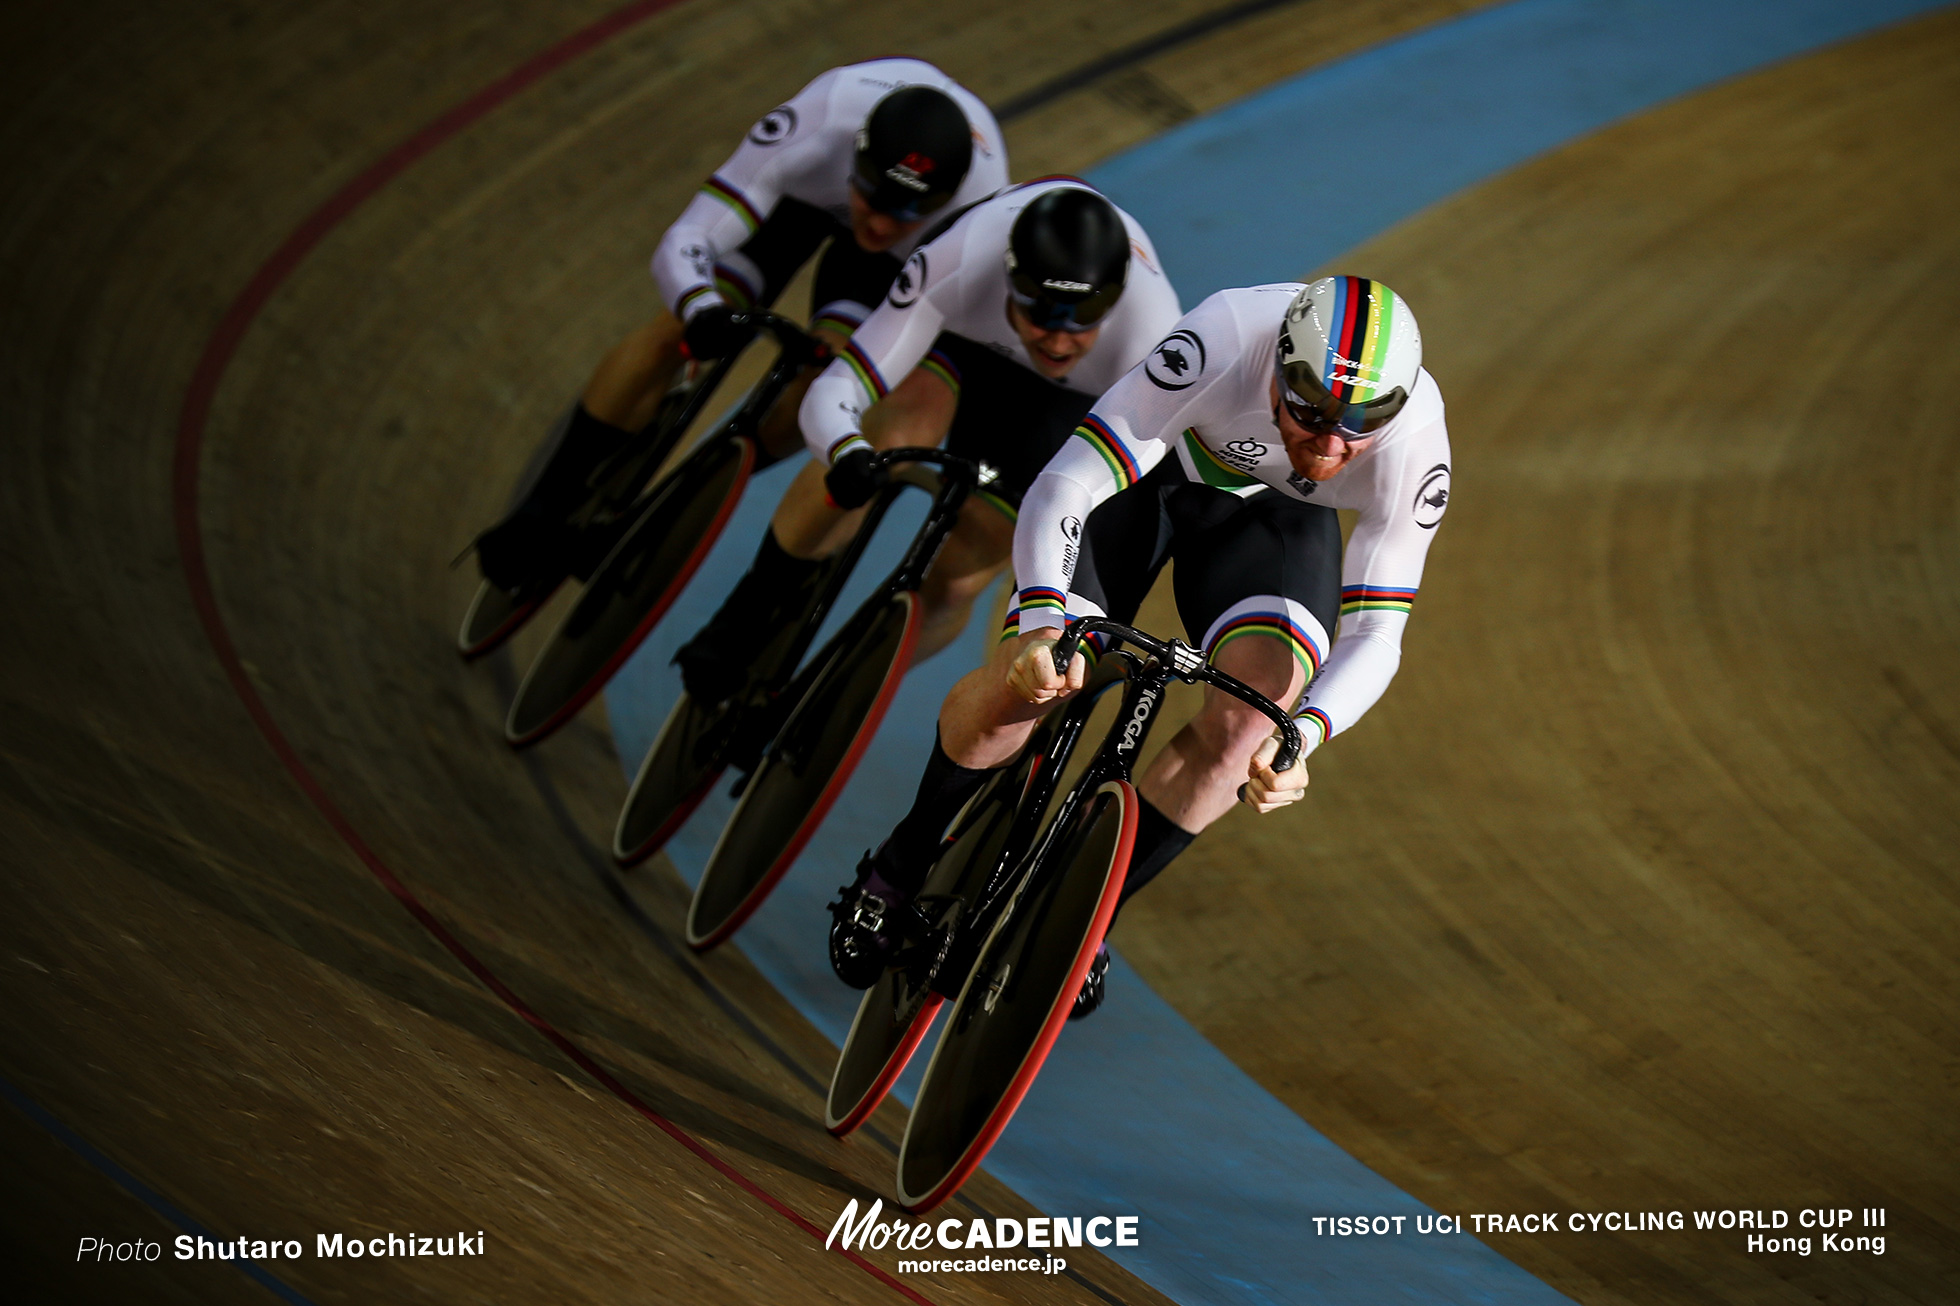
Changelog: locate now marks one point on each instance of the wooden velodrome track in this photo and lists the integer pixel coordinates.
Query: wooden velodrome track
(1638, 891)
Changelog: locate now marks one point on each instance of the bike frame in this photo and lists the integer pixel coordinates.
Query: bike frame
(796, 349)
(950, 487)
(1023, 861)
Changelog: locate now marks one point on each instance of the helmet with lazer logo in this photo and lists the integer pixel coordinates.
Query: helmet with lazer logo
(1067, 258)
(912, 153)
(1349, 351)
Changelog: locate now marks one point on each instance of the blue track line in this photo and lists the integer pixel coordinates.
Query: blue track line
(141, 1191)
(1135, 1113)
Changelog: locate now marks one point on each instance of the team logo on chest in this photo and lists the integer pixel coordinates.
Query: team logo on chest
(774, 126)
(1177, 363)
(910, 282)
(1242, 454)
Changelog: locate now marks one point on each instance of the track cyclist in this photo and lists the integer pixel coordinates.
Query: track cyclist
(995, 339)
(864, 157)
(1228, 449)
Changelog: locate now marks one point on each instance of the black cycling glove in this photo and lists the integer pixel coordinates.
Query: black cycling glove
(855, 477)
(714, 333)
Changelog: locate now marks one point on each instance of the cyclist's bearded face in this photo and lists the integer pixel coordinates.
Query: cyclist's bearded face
(1054, 354)
(877, 232)
(1316, 455)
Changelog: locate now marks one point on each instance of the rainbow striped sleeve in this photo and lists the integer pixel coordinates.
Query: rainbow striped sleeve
(734, 199)
(1376, 598)
(1316, 717)
(1121, 462)
(689, 297)
(865, 370)
(1043, 596)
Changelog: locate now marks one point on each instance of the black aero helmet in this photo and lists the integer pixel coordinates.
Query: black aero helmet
(1066, 259)
(912, 153)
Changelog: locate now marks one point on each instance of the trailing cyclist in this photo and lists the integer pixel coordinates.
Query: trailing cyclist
(994, 339)
(862, 157)
(1228, 449)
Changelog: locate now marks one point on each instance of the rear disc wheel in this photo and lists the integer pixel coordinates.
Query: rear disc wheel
(632, 589)
(686, 759)
(496, 614)
(896, 1012)
(805, 770)
(1016, 999)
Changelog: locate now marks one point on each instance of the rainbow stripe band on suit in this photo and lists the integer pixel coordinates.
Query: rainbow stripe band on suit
(734, 199)
(1279, 626)
(837, 319)
(1376, 598)
(735, 288)
(1042, 596)
(866, 370)
(945, 369)
(1122, 464)
(688, 297)
(1319, 717)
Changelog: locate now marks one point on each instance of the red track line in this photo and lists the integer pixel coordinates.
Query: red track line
(192, 419)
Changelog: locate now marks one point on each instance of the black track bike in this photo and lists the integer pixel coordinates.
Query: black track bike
(1010, 917)
(798, 733)
(495, 613)
(650, 542)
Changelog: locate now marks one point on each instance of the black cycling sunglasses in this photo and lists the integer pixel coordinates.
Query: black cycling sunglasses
(1308, 402)
(893, 198)
(1038, 303)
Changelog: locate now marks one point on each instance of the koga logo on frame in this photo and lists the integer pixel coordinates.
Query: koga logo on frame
(1139, 718)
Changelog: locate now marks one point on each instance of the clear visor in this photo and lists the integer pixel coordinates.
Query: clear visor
(1309, 403)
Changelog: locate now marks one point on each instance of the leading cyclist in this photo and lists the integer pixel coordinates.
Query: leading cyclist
(862, 157)
(1228, 449)
(995, 338)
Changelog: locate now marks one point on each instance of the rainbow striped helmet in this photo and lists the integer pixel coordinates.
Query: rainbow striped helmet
(1349, 349)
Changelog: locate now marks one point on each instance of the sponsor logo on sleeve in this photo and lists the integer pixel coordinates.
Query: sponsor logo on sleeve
(701, 259)
(1071, 537)
(1432, 497)
(910, 282)
(1177, 363)
(774, 127)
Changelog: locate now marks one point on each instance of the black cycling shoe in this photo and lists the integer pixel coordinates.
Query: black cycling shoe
(716, 662)
(525, 549)
(865, 926)
(712, 670)
(1090, 996)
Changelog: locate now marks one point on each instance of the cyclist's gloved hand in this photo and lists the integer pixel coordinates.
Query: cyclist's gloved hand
(714, 333)
(1267, 790)
(855, 477)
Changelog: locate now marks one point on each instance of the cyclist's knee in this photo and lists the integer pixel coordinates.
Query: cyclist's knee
(1230, 729)
(1266, 663)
